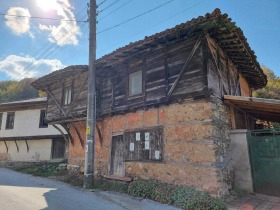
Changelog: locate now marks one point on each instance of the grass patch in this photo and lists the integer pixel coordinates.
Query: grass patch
(44, 170)
(108, 185)
(179, 196)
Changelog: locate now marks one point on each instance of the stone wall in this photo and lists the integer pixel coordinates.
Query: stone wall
(195, 146)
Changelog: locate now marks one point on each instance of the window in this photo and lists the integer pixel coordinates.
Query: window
(135, 83)
(42, 123)
(58, 148)
(10, 120)
(145, 145)
(1, 116)
(67, 95)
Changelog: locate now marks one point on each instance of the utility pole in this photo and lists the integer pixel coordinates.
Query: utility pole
(91, 104)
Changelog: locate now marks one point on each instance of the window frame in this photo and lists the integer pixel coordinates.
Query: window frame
(42, 123)
(130, 83)
(139, 153)
(9, 121)
(66, 91)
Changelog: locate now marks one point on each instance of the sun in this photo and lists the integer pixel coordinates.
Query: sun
(47, 4)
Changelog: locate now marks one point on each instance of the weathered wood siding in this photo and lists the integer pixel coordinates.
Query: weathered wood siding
(223, 76)
(160, 66)
(245, 88)
(79, 94)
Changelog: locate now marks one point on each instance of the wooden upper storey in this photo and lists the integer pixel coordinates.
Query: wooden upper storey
(207, 55)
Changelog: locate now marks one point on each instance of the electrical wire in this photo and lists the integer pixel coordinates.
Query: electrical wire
(101, 3)
(133, 18)
(114, 10)
(108, 6)
(44, 18)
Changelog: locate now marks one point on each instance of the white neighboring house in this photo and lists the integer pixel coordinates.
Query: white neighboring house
(24, 134)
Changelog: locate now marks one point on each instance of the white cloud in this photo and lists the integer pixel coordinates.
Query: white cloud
(19, 67)
(19, 25)
(66, 32)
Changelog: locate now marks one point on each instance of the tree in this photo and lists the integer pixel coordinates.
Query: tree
(272, 89)
(14, 91)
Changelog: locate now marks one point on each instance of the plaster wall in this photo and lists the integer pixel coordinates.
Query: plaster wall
(39, 150)
(26, 123)
(240, 159)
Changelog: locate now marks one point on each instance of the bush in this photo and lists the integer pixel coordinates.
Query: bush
(110, 185)
(142, 188)
(180, 196)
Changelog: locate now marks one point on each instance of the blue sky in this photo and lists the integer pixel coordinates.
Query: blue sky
(33, 47)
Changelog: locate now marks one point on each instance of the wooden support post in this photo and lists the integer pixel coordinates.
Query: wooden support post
(232, 117)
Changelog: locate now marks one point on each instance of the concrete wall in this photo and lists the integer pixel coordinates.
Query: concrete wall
(196, 138)
(26, 123)
(240, 158)
(39, 150)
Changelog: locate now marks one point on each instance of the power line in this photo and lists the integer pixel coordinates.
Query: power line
(114, 10)
(44, 18)
(166, 19)
(101, 3)
(137, 16)
(109, 6)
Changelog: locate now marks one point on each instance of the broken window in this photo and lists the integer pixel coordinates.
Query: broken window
(135, 83)
(10, 120)
(1, 116)
(145, 145)
(42, 123)
(67, 95)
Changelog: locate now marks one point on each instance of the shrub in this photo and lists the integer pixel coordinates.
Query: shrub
(180, 196)
(142, 188)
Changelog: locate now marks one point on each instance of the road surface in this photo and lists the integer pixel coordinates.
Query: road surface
(25, 192)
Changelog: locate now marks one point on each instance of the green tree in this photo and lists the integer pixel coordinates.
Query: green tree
(14, 91)
(272, 89)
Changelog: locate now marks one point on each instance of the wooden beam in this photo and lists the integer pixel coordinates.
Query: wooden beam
(17, 146)
(62, 133)
(185, 65)
(7, 148)
(78, 133)
(68, 132)
(27, 147)
(56, 102)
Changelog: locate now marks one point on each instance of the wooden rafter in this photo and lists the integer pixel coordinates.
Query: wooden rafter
(7, 148)
(78, 133)
(17, 146)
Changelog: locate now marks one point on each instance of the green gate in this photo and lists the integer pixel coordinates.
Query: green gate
(264, 147)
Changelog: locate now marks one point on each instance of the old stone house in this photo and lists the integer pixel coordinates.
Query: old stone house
(160, 104)
(25, 136)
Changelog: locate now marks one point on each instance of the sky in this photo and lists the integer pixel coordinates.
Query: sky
(33, 47)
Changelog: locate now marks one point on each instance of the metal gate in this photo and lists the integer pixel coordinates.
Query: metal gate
(264, 147)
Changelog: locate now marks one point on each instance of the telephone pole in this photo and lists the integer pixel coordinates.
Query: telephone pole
(91, 104)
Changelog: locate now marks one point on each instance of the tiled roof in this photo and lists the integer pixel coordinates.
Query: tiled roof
(33, 100)
(221, 28)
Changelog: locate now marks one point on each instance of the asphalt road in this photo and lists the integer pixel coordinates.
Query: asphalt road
(25, 192)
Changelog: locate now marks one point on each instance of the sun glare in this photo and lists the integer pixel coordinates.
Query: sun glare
(47, 4)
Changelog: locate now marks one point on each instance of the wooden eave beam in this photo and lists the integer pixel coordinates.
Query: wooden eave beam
(62, 133)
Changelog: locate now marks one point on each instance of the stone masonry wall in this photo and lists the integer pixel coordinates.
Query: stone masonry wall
(194, 150)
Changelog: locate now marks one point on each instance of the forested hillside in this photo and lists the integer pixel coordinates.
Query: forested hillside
(17, 90)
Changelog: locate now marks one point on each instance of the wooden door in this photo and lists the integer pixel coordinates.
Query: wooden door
(119, 152)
